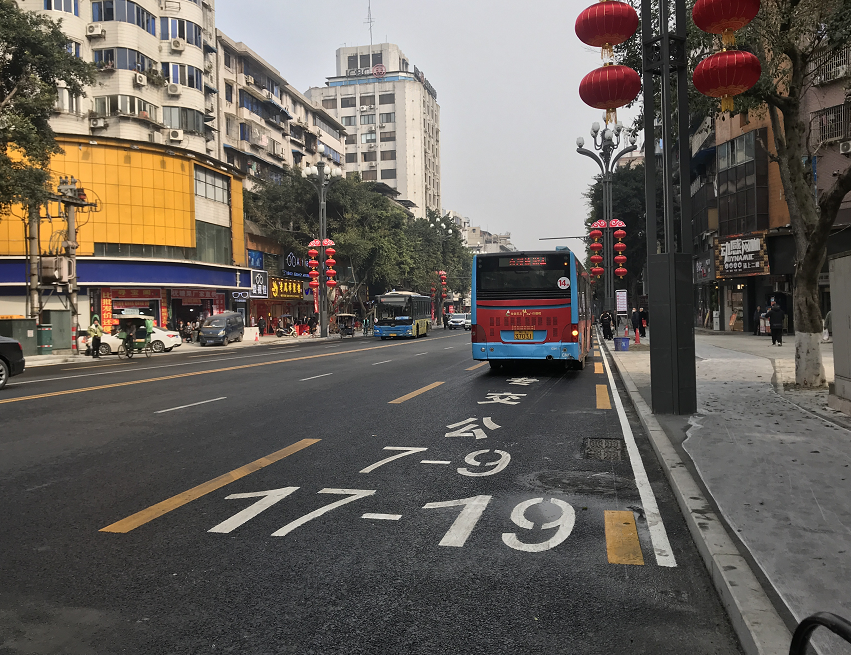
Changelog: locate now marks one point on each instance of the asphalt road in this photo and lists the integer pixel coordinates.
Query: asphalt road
(236, 501)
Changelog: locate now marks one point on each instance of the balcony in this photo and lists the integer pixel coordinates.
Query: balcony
(830, 124)
(827, 68)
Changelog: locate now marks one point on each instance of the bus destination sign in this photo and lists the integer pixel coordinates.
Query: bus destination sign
(522, 261)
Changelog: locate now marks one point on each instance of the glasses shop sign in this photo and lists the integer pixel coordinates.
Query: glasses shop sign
(259, 284)
(741, 256)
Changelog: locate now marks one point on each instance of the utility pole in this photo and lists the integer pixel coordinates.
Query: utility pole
(34, 253)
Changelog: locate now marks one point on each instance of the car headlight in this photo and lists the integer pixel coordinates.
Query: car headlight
(221, 333)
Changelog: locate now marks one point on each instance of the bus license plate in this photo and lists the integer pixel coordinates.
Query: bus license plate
(524, 335)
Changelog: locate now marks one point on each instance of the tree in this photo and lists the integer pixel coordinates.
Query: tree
(34, 62)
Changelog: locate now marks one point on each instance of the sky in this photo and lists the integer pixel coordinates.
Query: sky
(507, 76)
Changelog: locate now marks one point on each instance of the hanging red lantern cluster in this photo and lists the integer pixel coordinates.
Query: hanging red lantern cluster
(442, 275)
(728, 73)
(330, 273)
(605, 25)
(313, 264)
(596, 259)
(620, 258)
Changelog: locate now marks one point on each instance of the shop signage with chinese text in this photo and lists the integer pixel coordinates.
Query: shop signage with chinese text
(259, 284)
(704, 267)
(741, 256)
(282, 289)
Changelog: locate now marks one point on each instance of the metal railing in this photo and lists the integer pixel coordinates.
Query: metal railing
(805, 629)
(829, 124)
(826, 67)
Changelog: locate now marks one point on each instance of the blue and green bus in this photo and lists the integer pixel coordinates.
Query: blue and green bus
(402, 314)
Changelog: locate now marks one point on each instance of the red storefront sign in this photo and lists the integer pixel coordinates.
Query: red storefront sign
(193, 296)
(219, 304)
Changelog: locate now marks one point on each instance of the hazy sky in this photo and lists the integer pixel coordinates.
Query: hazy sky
(507, 76)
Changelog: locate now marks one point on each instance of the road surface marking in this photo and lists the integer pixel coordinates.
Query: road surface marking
(183, 375)
(203, 402)
(434, 461)
(658, 535)
(155, 511)
(598, 367)
(449, 348)
(315, 376)
(603, 397)
(405, 452)
(267, 499)
(414, 394)
(418, 354)
(622, 544)
(81, 368)
(382, 517)
(564, 523)
(473, 368)
(353, 495)
(384, 362)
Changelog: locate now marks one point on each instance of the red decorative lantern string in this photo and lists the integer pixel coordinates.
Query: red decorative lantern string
(606, 24)
(727, 74)
(610, 87)
(620, 258)
(313, 264)
(724, 17)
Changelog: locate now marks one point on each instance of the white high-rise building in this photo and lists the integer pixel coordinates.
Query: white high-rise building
(392, 120)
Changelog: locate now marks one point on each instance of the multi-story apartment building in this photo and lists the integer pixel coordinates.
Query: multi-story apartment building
(478, 240)
(392, 121)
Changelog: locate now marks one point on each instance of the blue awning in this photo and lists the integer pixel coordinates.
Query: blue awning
(210, 88)
(229, 146)
(209, 47)
(277, 105)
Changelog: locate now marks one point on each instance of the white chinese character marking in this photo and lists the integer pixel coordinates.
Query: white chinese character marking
(525, 382)
(470, 428)
(503, 398)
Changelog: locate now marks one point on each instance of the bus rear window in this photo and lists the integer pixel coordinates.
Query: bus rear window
(539, 273)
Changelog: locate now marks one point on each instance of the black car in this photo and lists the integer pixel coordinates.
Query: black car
(12, 360)
(222, 328)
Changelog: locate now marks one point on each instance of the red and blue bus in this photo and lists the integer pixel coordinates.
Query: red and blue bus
(531, 306)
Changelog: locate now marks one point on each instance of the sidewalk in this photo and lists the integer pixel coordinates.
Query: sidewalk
(779, 474)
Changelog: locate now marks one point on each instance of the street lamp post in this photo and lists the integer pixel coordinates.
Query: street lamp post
(445, 231)
(321, 180)
(607, 141)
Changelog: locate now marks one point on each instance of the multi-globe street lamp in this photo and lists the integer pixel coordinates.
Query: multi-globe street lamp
(321, 179)
(444, 230)
(606, 141)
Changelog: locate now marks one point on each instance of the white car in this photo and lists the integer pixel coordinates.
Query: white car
(161, 341)
(459, 321)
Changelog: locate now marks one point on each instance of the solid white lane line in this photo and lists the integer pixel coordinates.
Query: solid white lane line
(434, 461)
(382, 517)
(384, 362)
(203, 402)
(418, 354)
(315, 376)
(449, 348)
(658, 535)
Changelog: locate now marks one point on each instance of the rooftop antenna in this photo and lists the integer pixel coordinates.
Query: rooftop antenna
(369, 21)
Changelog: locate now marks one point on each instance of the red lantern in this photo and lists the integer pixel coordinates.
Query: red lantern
(620, 259)
(595, 234)
(443, 295)
(620, 234)
(330, 272)
(727, 74)
(313, 263)
(606, 24)
(596, 246)
(331, 283)
(620, 247)
(330, 261)
(597, 271)
(330, 252)
(433, 289)
(620, 271)
(724, 17)
(312, 253)
(610, 87)
(313, 274)
(596, 259)
(314, 284)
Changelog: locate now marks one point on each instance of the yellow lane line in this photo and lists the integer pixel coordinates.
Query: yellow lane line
(155, 511)
(414, 394)
(603, 401)
(622, 543)
(598, 367)
(473, 368)
(214, 370)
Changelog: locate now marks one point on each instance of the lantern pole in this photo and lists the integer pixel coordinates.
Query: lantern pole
(669, 259)
(606, 141)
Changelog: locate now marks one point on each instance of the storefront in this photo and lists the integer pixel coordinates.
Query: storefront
(705, 291)
(742, 268)
(285, 298)
(196, 304)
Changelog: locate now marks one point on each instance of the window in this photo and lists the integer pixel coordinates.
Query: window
(387, 118)
(353, 61)
(351, 157)
(325, 126)
(367, 137)
(388, 136)
(124, 59)
(348, 120)
(367, 119)
(230, 126)
(211, 185)
(328, 151)
(364, 61)
(369, 156)
(126, 12)
(213, 243)
(367, 100)
(387, 99)
(369, 176)
(185, 75)
(68, 6)
(376, 58)
(73, 48)
(177, 28)
(329, 103)
(67, 102)
(181, 118)
(128, 105)
(347, 103)
(351, 138)
(388, 155)
(228, 60)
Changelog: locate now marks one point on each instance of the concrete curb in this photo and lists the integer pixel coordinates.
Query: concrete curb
(758, 626)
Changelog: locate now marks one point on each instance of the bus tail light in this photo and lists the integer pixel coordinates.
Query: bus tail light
(478, 334)
(570, 333)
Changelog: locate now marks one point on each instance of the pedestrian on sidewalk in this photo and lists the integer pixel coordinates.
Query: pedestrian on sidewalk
(95, 333)
(635, 319)
(643, 316)
(606, 323)
(262, 325)
(445, 320)
(775, 317)
(757, 316)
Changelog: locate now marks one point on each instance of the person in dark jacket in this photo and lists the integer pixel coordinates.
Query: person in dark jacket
(757, 315)
(644, 316)
(262, 325)
(635, 319)
(775, 317)
(606, 324)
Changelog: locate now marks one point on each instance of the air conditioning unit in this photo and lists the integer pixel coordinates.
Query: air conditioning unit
(372, 146)
(382, 125)
(371, 129)
(845, 147)
(156, 137)
(178, 45)
(267, 94)
(363, 107)
(97, 123)
(372, 164)
(372, 106)
(249, 79)
(173, 89)
(95, 30)
(140, 79)
(175, 135)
